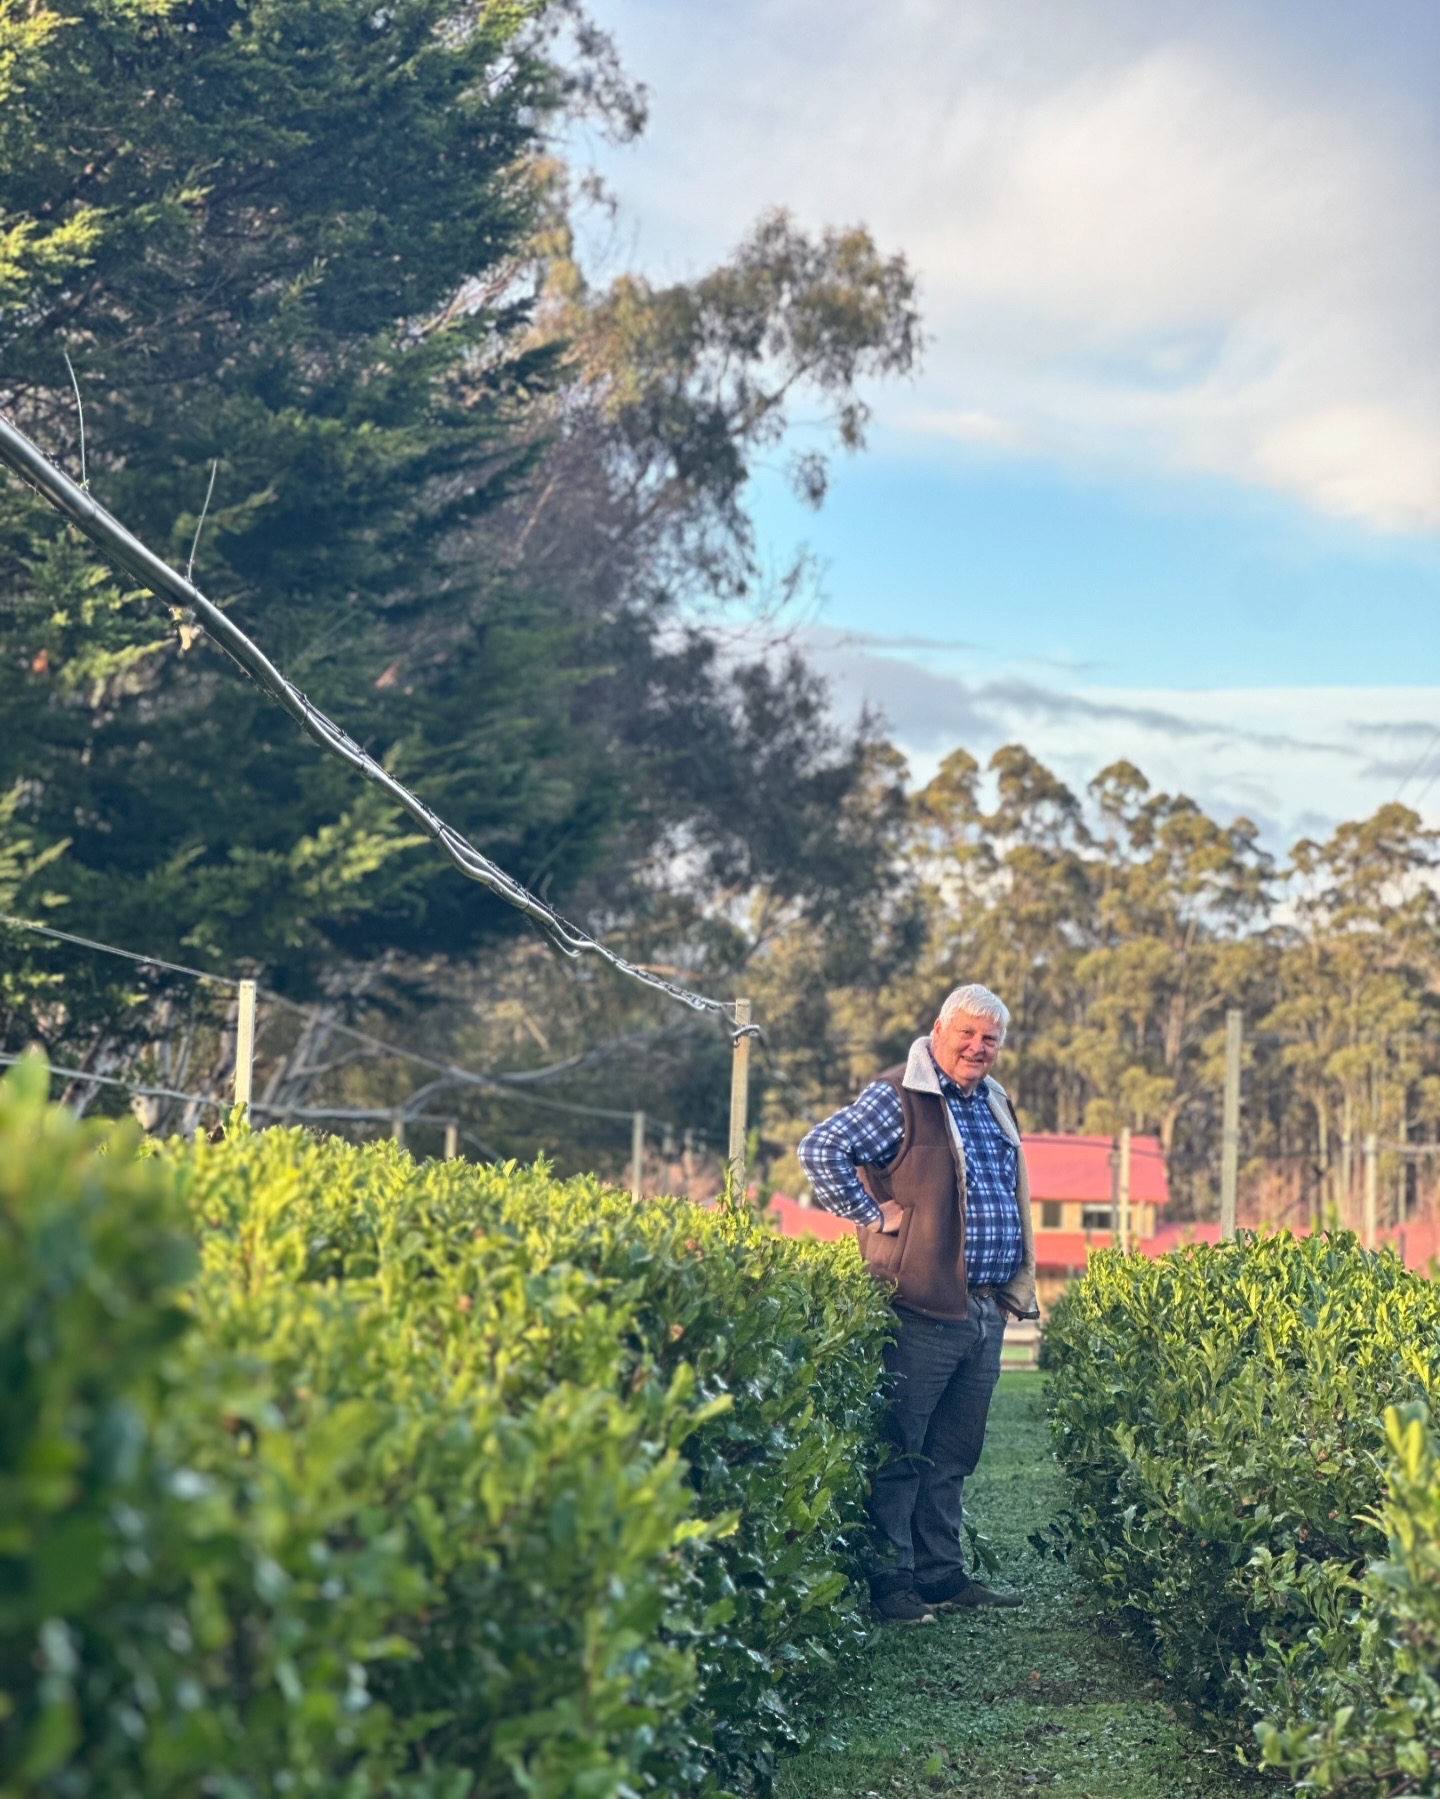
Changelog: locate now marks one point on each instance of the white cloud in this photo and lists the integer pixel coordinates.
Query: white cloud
(1296, 760)
(1363, 462)
(1145, 237)
(969, 427)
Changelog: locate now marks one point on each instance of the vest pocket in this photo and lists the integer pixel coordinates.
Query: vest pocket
(883, 1250)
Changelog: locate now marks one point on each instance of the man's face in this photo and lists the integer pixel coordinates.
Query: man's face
(966, 1047)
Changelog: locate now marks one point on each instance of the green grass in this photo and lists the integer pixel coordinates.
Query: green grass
(1003, 1704)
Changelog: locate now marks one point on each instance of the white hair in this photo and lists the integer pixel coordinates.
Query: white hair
(980, 1002)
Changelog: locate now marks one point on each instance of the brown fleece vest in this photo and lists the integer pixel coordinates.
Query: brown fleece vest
(923, 1263)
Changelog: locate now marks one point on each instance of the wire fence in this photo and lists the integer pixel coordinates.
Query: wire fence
(420, 1108)
(8, 1059)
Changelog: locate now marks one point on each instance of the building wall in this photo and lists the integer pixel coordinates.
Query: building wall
(1069, 1215)
(1050, 1283)
(1064, 1261)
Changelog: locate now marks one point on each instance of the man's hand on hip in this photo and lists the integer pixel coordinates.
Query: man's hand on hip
(890, 1216)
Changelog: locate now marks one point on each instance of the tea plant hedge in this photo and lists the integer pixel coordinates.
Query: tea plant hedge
(1246, 1431)
(324, 1470)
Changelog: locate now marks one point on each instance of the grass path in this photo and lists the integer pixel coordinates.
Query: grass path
(995, 1705)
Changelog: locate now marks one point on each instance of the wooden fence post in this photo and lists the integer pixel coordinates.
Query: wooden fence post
(637, 1156)
(245, 1044)
(1122, 1236)
(452, 1140)
(739, 1098)
(1230, 1122)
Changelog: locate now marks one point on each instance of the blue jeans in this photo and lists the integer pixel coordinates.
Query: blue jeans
(941, 1376)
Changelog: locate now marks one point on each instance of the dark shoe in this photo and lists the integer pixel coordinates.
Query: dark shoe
(903, 1606)
(942, 1591)
(957, 1590)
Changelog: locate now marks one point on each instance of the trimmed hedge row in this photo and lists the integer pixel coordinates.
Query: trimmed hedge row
(328, 1470)
(1247, 1438)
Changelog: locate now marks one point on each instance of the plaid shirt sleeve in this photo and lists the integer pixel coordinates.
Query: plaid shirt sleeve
(869, 1134)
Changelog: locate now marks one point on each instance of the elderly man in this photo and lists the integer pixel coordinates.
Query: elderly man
(928, 1163)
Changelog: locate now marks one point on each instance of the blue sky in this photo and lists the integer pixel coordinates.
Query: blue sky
(1169, 478)
(1183, 583)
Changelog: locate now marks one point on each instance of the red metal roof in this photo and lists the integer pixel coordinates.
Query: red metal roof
(1183, 1231)
(794, 1220)
(1416, 1242)
(1078, 1168)
(1059, 1252)
(1067, 1249)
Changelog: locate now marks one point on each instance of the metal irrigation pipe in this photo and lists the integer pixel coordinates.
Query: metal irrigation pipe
(33, 466)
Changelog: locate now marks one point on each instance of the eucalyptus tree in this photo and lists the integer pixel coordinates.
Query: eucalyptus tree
(1357, 1007)
(1182, 917)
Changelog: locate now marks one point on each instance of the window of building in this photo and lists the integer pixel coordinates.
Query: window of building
(1050, 1214)
(1095, 1218)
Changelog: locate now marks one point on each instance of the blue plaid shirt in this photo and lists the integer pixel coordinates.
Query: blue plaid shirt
(869, 1133)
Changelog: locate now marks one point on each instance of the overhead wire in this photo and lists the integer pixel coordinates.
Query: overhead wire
(80, 414)
(1424, 791)
(200, 522)
(34, 467)
(1420, 761)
